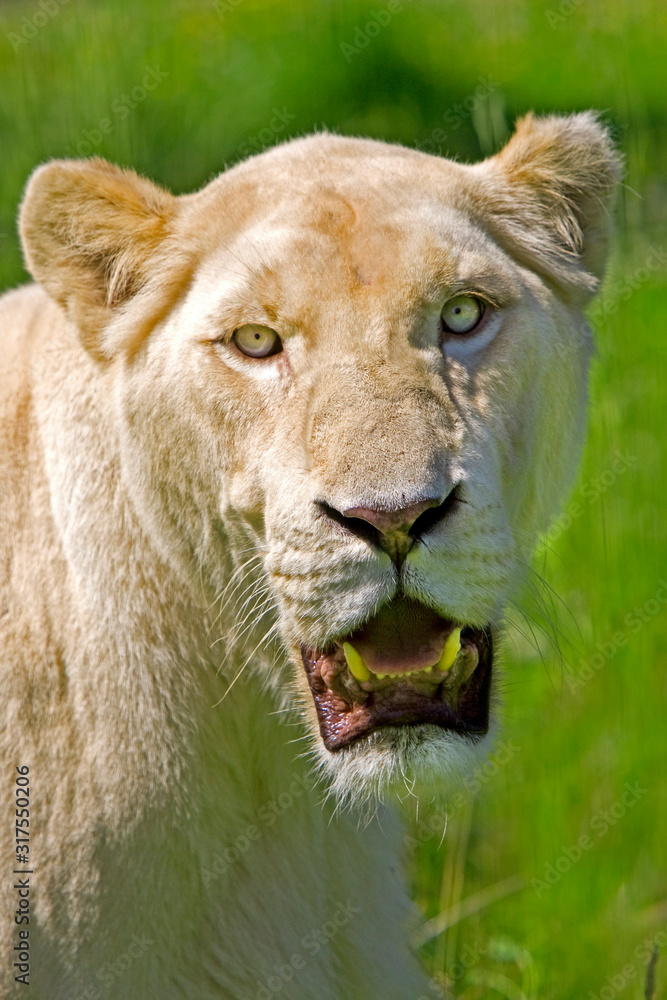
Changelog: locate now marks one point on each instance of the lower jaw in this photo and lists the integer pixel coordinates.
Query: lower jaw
(346, 717)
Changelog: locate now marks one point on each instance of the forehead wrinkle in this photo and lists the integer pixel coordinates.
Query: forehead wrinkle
(339, 261)
(331, 214)
(344, 298)
(349, 239)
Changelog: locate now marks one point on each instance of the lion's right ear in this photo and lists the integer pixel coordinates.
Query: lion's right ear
(550, 192)
(91, 235)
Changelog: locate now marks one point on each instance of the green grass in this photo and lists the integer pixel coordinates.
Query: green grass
(226, 72)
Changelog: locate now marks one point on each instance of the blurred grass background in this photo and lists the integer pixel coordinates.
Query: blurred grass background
(586, 708)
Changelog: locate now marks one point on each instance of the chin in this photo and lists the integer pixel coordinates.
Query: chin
(420, 760)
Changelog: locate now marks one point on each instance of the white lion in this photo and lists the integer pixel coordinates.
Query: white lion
(269, 453)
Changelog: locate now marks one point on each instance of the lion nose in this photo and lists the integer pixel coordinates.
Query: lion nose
(390, 521)
(396, 530)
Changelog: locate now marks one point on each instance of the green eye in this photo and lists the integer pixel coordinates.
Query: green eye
(461, 314)
(257, 341)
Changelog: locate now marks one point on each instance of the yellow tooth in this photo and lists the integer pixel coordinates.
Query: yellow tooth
(451, 650)
(357, 666)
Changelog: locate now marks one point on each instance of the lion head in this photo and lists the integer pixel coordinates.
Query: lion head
(348, 381)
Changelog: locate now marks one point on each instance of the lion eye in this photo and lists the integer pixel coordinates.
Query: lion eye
(257, 341)
(461, 314)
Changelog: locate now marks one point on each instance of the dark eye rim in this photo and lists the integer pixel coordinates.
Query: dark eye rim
(277, 348)
(485, 308)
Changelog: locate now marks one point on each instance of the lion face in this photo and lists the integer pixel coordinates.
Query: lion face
(349, 383)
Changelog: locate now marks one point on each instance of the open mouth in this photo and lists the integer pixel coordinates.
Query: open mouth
(405, 667)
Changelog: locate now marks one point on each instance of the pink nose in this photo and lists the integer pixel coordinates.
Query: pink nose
(387, 521)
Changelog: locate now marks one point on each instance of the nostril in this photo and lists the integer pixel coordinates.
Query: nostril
(357, 525)
(397, 530)
(386, 521)
(433, 515)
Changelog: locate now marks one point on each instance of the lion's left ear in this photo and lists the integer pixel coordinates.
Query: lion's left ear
(91, 235)
(551, 189)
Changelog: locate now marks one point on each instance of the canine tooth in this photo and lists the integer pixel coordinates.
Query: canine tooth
(451, 650)
(355, 662)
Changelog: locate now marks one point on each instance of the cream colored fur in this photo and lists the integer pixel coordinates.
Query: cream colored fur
(161, 557)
